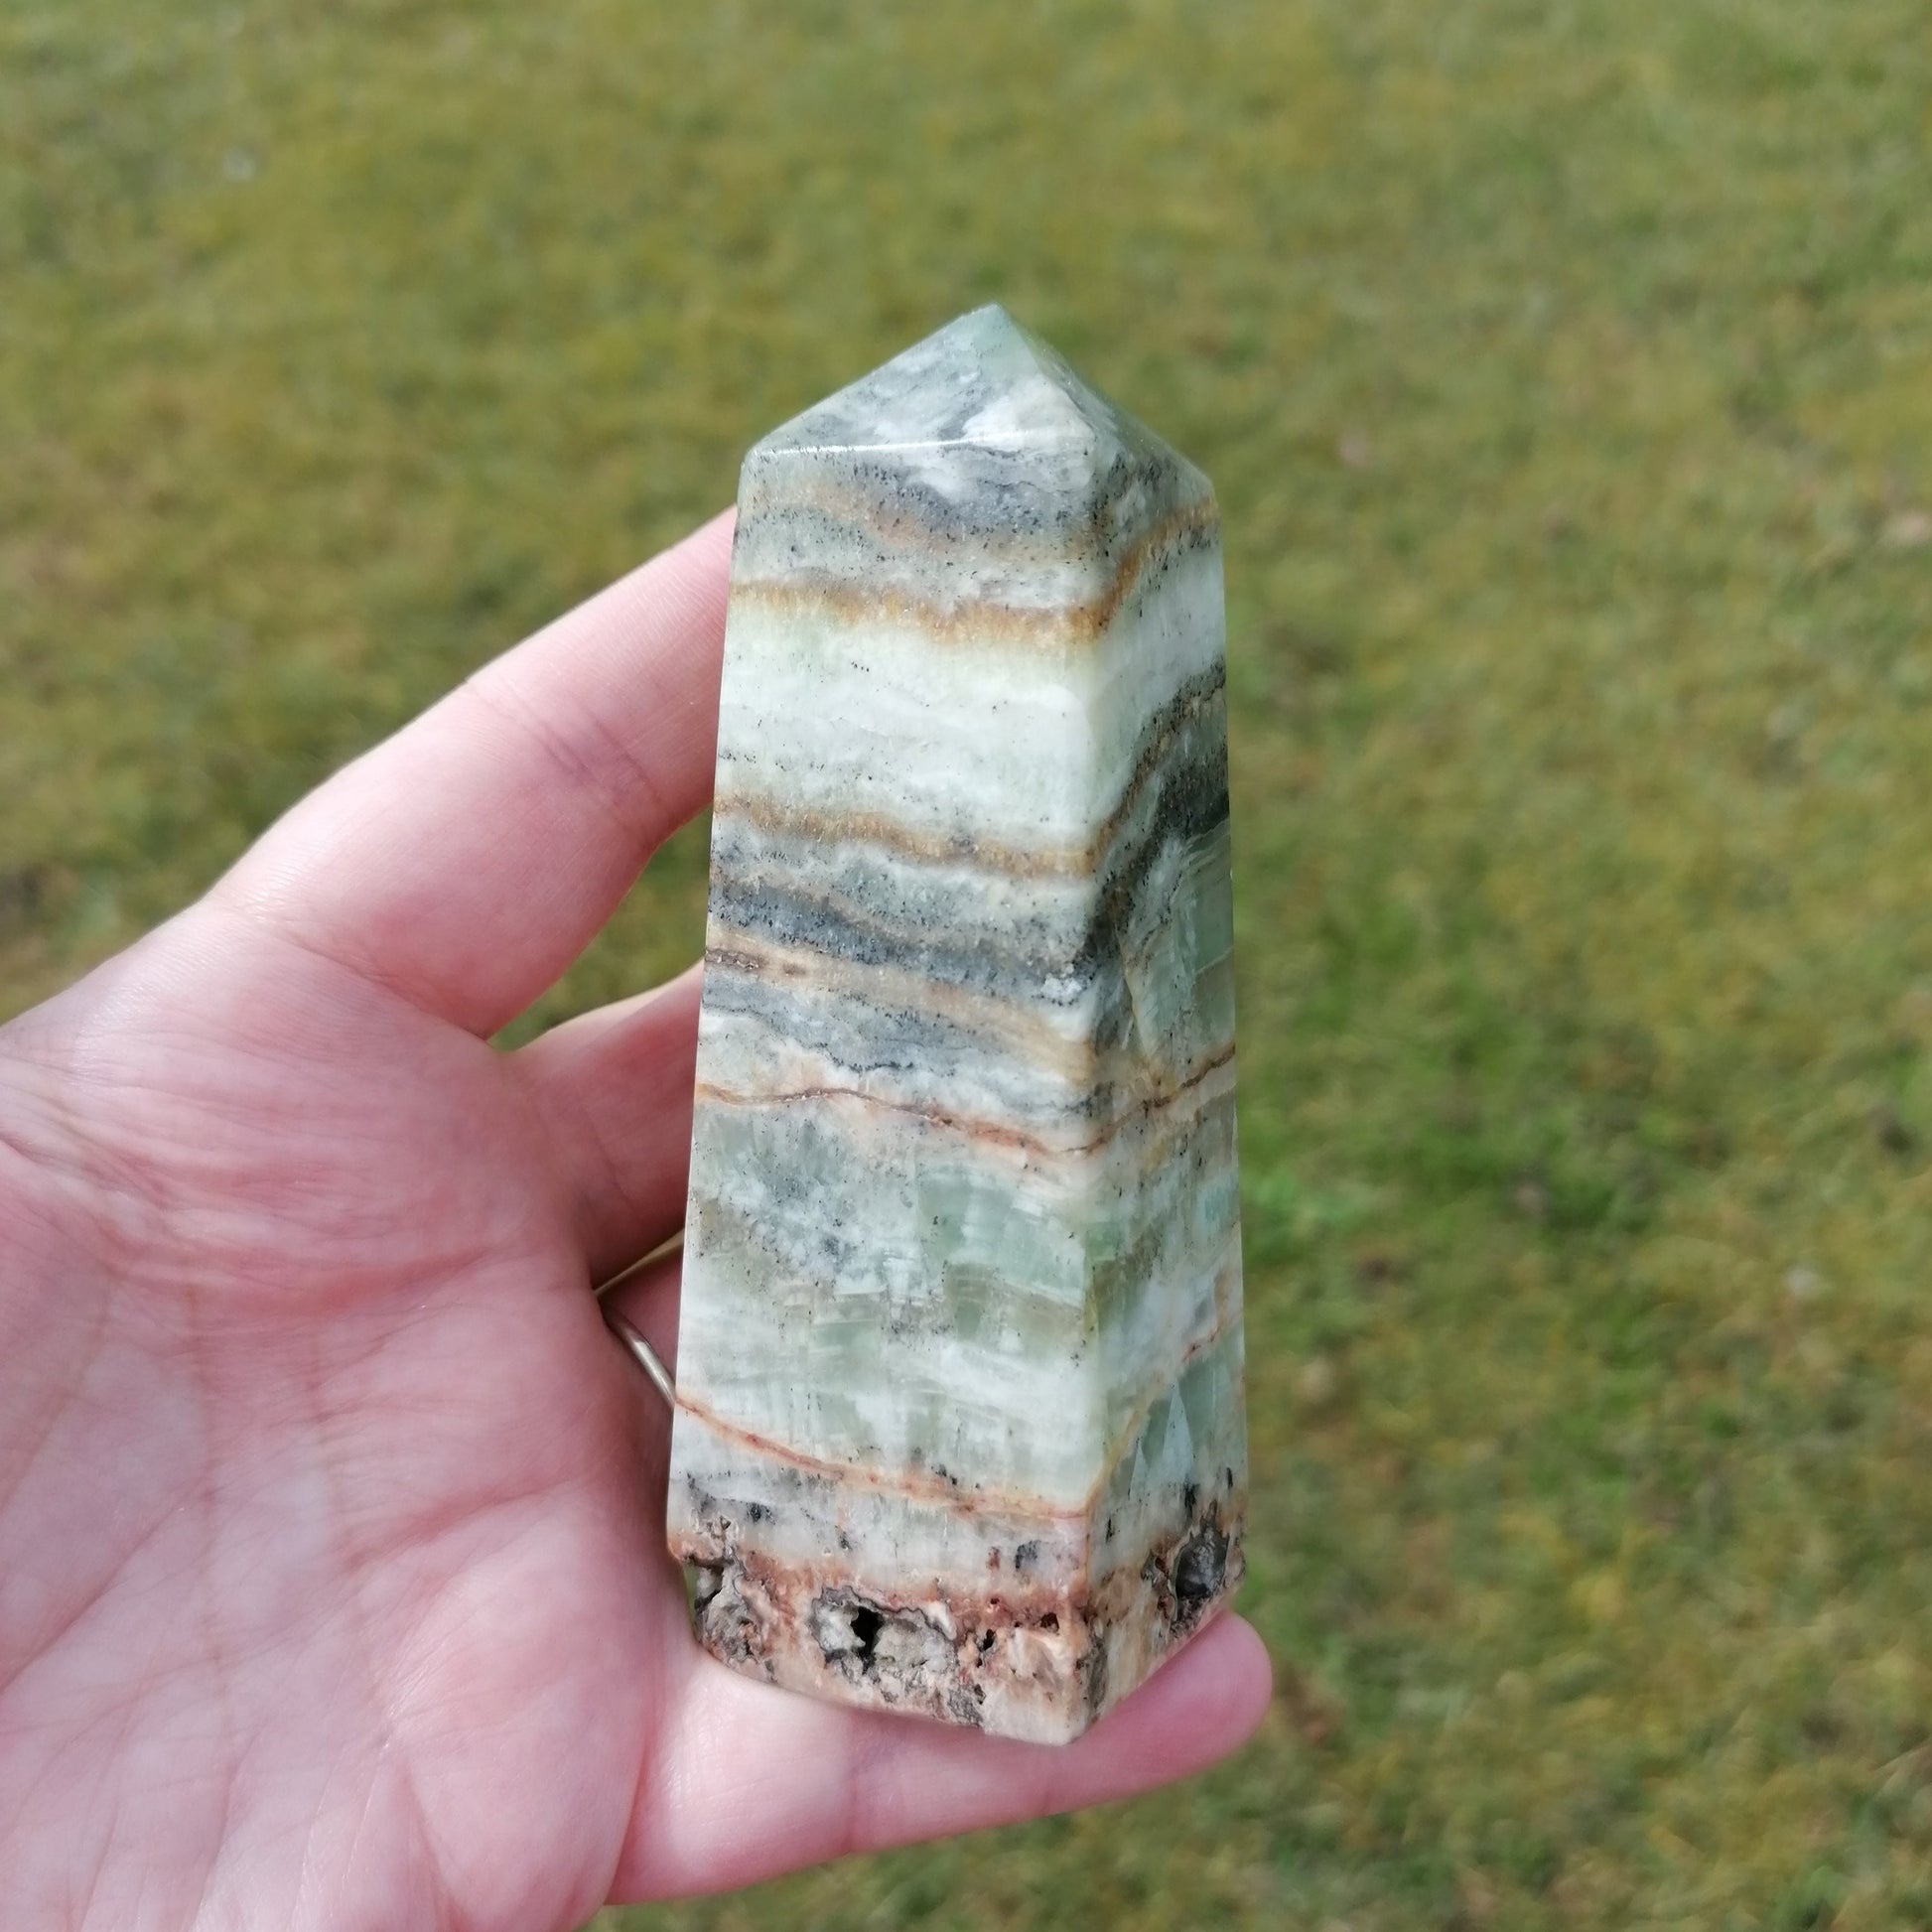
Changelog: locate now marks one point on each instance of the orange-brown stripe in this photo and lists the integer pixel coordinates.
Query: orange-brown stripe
(982, 621)
(994, 1133)
(922, 1486)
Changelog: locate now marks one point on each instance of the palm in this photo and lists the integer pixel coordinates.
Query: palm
(331, 1584)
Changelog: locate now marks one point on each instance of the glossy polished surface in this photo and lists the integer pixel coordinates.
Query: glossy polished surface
(960, 1425)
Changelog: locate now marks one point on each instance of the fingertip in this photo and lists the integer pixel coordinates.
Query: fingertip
(1202, 1704)
(1248, 1674)
(702, 560)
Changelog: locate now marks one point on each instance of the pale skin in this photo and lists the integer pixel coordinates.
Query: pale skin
(332, 1587)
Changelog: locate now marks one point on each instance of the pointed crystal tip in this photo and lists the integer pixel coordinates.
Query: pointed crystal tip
(982, 380)
(974, 471)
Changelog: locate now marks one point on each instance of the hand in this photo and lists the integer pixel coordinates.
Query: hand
(332, 1587)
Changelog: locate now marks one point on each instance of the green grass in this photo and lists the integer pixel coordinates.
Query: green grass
(1566, 371)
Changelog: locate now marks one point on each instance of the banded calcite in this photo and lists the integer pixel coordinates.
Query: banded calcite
(959, 1423)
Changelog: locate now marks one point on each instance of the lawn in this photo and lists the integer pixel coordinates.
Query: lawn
(1565, 372)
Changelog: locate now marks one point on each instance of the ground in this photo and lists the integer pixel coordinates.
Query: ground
(1563, 372)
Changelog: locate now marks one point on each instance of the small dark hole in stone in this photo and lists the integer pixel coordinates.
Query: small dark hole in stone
(1190, 1496)
(865, 1625)
(1200, 1567)
(1050, 1622)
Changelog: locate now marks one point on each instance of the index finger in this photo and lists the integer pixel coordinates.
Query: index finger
(466, 861)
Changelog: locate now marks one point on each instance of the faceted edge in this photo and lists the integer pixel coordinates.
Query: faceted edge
(988, 349)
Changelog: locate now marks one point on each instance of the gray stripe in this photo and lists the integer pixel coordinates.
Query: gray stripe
(870, 907)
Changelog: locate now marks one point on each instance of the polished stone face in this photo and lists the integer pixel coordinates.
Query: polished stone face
(959, 1425)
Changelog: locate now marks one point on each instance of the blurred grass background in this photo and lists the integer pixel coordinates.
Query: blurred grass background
(1566, 371)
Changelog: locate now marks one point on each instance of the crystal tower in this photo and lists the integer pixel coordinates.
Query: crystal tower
(959, 1425)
